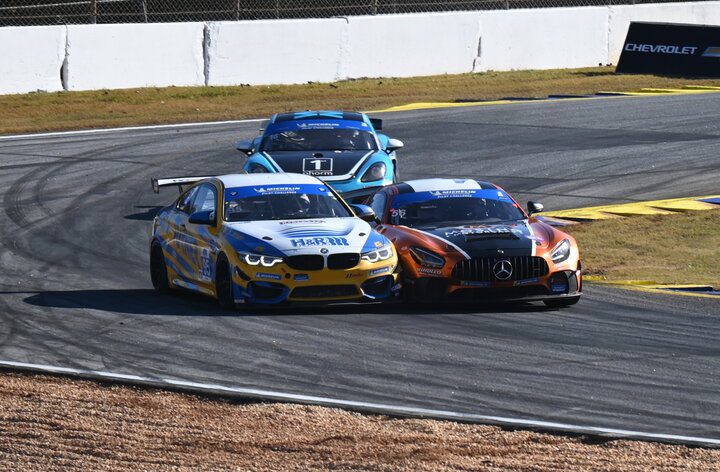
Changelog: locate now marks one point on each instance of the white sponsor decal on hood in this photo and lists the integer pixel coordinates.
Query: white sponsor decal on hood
(307, 236)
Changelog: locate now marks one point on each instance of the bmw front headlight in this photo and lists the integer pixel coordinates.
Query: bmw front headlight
(427, 258)
(561, 252)
(375, 172)
(260, 259)
(256, 168)
(381, 254)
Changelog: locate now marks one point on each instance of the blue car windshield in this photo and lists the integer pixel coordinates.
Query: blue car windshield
(286, 202)
(338, 139)
(422, 209)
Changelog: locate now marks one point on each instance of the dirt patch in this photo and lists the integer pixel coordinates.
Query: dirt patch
(50, 423)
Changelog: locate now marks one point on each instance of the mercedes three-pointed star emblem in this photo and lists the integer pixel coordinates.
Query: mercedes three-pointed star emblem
(503, 270)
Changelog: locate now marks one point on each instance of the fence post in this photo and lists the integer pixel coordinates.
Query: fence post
(373, 7)
(237, 10)
(144, 7)
(93, 11)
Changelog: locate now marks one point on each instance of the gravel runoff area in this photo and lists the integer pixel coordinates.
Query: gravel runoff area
(51, 423)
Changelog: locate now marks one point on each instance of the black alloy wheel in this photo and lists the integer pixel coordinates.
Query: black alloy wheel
(224, 284)
(158, 269)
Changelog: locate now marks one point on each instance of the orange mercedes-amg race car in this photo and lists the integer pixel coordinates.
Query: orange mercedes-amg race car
(467, 240)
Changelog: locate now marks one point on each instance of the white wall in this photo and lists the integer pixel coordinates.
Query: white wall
(412, 45)
(299, 51)
(31, 58)
(699, 13)
(135, 55)
(551, 38)
(275, 51)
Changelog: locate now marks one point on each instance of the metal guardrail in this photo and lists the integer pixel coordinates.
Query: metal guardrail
(52, 12)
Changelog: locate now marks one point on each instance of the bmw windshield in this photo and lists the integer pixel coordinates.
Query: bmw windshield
(453, 208)
(282, 202)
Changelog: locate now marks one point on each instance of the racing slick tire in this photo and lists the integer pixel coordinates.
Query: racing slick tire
(561, 302)
(224, 283)
(158, 269)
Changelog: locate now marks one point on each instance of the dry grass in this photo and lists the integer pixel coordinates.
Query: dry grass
(49, 424)
(109, 108)
(680, 248)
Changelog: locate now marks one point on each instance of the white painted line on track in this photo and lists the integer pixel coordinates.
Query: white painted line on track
(380, 408)
(127, 128)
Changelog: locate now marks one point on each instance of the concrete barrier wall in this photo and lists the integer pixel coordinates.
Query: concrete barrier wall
(31, 58)
(135, 55)
(551, 38)
(412, 45)
(275, 52)
(299, 51)
(699, 13)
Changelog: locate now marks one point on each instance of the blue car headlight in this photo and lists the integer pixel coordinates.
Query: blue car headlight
(375, 172)
(255, 168)
(376, 255)
(259, 259)
(561, 252)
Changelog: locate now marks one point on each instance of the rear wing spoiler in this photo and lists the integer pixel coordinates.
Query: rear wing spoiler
(175, 182)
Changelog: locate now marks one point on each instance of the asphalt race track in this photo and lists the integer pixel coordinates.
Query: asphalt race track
(75, 289)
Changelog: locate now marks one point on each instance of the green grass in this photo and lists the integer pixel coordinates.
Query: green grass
(110, 108)
(668, 249)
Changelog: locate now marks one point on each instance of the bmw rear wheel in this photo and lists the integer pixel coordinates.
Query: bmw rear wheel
(224, 283)
(158, 269)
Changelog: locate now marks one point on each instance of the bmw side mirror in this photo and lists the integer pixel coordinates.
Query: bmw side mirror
(245, 146)
(364, 212)
(394, 145)
(206, 217)
(534, 207)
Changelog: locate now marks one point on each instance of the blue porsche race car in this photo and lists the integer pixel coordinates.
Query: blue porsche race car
(343, 149)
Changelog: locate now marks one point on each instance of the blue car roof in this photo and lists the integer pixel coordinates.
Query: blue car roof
(318, 120)
(318, 115)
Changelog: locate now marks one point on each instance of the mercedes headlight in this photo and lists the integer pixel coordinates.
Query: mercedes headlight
(427, 258)
(260, 260)
(375, 172)
(561, 251)
(382, 254)
(256, 168)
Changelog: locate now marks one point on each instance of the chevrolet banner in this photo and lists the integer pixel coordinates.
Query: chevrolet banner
(671, 49)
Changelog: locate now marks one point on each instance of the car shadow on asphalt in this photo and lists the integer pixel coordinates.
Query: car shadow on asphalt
(182, 303)
(147, 215)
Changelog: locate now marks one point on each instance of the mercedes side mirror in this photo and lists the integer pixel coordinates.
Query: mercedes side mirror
(206, 217)
(364, 212)
(394, 145)
(534, 207)
(245, 146)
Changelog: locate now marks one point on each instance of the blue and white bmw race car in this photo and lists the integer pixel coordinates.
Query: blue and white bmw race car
(343, 149)
(268, 239)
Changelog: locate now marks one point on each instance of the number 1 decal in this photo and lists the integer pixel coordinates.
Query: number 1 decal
(318, 166)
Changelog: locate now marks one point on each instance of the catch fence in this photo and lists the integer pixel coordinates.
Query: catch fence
(53, 12)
